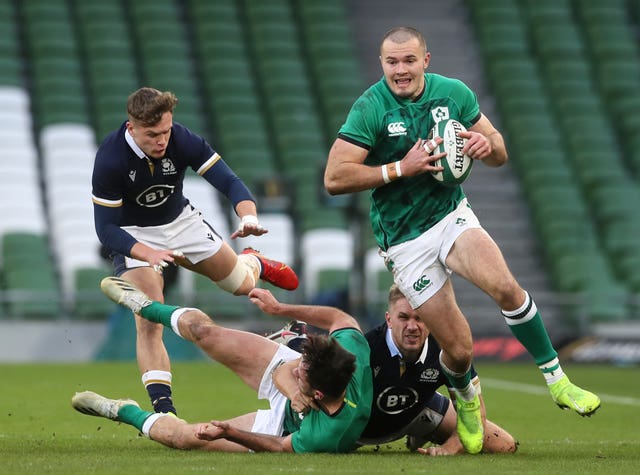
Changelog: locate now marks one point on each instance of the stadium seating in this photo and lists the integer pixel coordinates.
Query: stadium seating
(166, 58)
(21, 201)
(11, 67)
(540, 62)
(29, 277)
(270, 83)
(328, 261)
(68, 153)
(109, 60)
(56, 68)
(328, 42)
(231, 91)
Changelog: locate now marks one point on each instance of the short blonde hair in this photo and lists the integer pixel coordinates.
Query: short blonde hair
(395, 294)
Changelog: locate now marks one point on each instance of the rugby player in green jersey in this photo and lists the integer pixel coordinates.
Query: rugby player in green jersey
(319, 399)
(426, 231)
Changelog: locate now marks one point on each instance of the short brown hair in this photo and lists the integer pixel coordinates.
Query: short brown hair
(329, 366)
(395, 294)
(147, 105)
(401, 34)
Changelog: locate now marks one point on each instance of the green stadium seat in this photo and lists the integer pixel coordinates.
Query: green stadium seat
(218, 304)
(89, 301)
(558, 41)
(10, 56)
(502, 40)
(29, 277)
(545, 12)
(581, 271)
(333, 280)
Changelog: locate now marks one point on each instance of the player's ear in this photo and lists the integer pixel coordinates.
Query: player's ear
(427, 58)
(387, 317)
(318, 395)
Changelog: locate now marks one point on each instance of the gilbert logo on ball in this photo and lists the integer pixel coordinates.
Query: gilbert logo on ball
(456, 164)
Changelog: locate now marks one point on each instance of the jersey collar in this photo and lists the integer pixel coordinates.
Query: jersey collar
(134, 146)
(393, 349)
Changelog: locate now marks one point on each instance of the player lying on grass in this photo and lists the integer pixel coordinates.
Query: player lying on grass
(406, 375)
(332, 376)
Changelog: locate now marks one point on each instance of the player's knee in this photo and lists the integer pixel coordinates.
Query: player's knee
(508, 295)
(240, 280)
(179, 438)
(457, 357)
(201, 328)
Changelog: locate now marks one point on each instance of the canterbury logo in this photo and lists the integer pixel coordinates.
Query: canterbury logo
(421, 284)
(396, 128)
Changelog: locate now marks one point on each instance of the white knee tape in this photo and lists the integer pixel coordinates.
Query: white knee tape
(234, 280)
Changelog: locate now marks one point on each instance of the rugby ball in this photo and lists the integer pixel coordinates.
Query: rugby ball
(456, 164)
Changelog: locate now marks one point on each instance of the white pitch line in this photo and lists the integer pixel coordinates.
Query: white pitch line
(532, 389)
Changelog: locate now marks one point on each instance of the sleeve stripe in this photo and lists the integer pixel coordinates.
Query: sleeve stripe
(208, 164)
(107, 203)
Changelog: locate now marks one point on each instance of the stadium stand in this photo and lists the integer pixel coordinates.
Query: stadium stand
(291, 105)
(328, 260)
(270, 83)
(29, 277)
(109, 61)
(26, 265)
(166, 57)
(570, 118)
(68, 151)
(230, 89)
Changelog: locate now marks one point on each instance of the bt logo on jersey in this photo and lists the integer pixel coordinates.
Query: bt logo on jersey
(155, 195)
(395, 399)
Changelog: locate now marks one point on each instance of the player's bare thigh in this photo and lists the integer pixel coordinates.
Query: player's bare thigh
(220, 265)
(217, 266)
(147, 280)
(246, 354)
(476, 257)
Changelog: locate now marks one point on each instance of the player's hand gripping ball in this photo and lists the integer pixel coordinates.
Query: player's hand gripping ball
(456, 164)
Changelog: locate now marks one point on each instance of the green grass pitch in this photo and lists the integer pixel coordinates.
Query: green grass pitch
(41, 433)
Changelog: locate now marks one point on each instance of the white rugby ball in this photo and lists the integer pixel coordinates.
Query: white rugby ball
(456, 164)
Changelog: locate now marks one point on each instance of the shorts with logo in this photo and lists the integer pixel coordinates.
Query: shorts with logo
(188, 233)
(424, 424)
(270, 421)
(419, 264)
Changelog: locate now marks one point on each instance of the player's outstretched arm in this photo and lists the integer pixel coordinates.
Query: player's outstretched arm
(257, 442)
(326, 318)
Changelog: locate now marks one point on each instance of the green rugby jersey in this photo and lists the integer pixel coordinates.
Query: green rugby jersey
(339, 432)
(388, 126)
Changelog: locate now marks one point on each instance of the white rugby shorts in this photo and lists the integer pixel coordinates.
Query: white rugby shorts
(419, 265)
(188, 233)
(270, 421)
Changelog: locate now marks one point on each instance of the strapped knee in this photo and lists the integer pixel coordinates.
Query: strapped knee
(234, 280)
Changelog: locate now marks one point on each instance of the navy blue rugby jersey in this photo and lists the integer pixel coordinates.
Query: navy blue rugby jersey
(397, 399)
(130, 189)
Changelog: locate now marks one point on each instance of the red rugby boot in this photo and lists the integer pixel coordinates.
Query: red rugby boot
(275, 272)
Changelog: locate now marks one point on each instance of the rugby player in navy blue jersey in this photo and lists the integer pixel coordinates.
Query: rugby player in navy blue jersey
(406, 376)
(143, 218)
